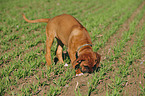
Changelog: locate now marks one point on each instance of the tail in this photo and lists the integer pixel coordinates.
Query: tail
(35, 21)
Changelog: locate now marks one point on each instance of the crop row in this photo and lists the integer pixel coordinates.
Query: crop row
(123, 70)
(22, 45)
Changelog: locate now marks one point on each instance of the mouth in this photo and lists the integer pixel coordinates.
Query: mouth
(86, 70)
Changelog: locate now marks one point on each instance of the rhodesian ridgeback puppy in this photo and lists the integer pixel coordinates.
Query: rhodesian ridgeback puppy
(69, 32)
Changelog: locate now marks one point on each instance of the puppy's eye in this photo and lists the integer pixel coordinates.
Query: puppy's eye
(96, 61)
(86, 67)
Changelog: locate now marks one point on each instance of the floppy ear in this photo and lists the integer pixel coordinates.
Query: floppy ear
(77, 62)
(98, 58)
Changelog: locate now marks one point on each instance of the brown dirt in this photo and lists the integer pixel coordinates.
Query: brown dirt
(78, 83)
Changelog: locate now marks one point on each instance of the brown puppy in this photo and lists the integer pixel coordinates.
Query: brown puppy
(69, 32)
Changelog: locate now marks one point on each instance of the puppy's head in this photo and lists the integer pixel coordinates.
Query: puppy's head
(87, 62)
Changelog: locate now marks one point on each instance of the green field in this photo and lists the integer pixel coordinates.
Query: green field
(117, 30)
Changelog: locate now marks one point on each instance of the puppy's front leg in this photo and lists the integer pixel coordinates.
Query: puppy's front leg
(78, 72)
(59, 50)
(71, 55)
(73, 58)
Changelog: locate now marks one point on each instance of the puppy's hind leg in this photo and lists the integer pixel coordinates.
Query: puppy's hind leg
(49, 41)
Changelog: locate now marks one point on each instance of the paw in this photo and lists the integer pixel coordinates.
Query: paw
(66, 65)
(79, 74)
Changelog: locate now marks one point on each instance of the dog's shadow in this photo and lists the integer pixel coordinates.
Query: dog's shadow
(97, 69)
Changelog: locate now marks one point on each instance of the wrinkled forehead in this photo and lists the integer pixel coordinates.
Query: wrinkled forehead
(90, 59)
(88, 62)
